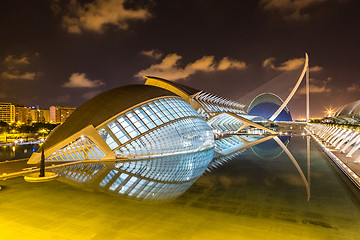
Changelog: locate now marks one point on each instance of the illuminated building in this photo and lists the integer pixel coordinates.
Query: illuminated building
(348, 114)
(159, 137)
(266, 104)
(7, 112)
(153, 135)
(39, 115)
(22, 114)
(58, 114)
(223, 115)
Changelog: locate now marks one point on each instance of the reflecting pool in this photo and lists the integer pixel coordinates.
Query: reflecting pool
(17, 151)
(244, 195)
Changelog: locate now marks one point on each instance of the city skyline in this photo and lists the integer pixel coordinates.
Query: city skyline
(64, 53)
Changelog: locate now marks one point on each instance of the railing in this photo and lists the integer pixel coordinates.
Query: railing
(347, 141)
(339, 144)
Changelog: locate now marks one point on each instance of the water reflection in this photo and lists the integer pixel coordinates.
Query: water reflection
(160, 178)
(168, 177)
(240, 197)
(8, 153)
(267, 148)
(270, 149)
(298, 168)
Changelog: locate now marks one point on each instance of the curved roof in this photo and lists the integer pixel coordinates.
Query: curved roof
(187, 90)
(266, 97)
(267, 109)
(102, 107)
(349, 110)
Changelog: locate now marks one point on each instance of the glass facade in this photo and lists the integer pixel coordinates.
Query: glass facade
(163, 126)
(81, 149)
(167, 143)
(226, 145)
(81, 173)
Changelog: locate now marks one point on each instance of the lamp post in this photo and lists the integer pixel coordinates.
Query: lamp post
(42, 164)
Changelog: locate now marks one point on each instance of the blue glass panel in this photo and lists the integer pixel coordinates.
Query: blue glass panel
(158, 112)
(144, 117)
(128, 126)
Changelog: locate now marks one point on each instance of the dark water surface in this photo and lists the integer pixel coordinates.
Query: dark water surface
(8, 153)
(257, 195)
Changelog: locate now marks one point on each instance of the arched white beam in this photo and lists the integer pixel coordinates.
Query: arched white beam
(306, 66)
(286, 150)
(248, 144)
(248, 122)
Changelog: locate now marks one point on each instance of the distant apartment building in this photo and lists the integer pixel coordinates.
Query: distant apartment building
(22, 114)
(7, 112)
(39, 115)
(58, 114)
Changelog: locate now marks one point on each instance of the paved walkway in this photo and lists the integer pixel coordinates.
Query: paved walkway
(14, 166)
(348, 161)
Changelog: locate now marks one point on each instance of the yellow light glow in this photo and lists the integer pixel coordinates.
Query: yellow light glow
(329, 112)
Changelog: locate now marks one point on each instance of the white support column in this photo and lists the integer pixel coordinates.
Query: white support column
(338, 136)
(346, 139)
(326, 131)
(332, 135)
(335, 136)
(351, 142)
(356, 147)
(357, 160)
(320, 129)
(272, 118)
(307, 95)
(343, 136)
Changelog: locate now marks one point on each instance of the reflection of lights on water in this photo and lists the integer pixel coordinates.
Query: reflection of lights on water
(13, 148)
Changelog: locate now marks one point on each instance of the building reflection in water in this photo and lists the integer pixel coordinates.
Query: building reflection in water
(229, 148)
(165, 178)
(270, 149)
(156, 179)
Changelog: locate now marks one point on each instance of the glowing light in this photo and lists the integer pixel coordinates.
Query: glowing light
(329, 112)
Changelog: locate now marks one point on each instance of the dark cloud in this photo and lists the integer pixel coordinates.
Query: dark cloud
(94, 16)
(219, 48)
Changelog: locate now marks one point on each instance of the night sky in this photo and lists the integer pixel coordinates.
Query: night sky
(65, 52)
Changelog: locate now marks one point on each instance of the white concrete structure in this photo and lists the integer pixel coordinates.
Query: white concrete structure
(287, 100)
